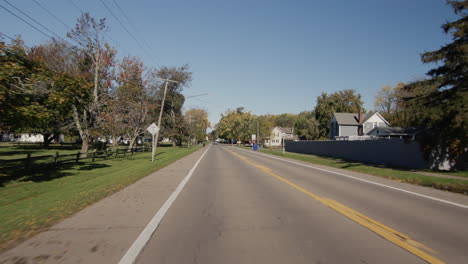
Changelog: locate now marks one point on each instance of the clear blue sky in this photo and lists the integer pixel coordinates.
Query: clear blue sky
(267, 56)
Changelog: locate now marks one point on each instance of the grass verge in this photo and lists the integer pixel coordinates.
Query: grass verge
(453, 185)
(37, 199)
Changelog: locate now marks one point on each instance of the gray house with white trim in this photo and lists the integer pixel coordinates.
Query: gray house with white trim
(355, 124)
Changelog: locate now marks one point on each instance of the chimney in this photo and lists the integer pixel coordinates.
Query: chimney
(360, 120)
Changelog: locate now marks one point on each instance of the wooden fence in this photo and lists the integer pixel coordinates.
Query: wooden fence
(47, 160)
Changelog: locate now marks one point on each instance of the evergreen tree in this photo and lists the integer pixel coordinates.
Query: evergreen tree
(445, 111)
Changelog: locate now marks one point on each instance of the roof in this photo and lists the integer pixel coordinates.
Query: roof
(287, 130)
(398, 131)
(348, 118)
(391, 130)
(352, 119)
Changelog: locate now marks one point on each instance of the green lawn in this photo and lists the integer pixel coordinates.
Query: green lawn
(32, 201)
(453, 185)
(10, 151)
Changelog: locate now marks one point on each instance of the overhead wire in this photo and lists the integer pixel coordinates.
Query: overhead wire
(125, 28)
(132, 25)
(28, 16)
(105, 33)
(5, 35)
(31, 25)
(51, 14)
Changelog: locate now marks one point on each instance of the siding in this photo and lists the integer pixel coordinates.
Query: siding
(348, 130)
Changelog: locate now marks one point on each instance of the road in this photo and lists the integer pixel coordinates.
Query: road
(245, 207)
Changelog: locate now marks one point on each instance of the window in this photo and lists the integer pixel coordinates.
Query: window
(376, 124)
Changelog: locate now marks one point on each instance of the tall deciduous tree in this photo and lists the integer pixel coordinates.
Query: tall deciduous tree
(197, 122)
(33, 97)
(89, 34)
(172, 125)
(306, 127)
(134, 99)
(345, 101)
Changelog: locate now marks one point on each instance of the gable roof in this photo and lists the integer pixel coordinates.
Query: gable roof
(347, 118)
(352, 119)
(287, 130)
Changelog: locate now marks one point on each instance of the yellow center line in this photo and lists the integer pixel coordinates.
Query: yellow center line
(384, 231)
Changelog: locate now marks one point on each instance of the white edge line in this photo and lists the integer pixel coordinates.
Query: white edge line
(137, 246)
(359, 179)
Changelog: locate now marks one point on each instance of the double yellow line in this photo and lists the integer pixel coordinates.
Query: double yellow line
(384, 231)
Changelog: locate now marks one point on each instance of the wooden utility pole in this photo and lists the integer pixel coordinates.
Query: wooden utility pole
(161, 111)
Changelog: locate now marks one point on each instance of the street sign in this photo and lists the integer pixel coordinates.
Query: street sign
(254, 137)
(153, 129)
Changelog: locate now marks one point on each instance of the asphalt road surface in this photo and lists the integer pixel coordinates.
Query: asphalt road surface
(246, 207)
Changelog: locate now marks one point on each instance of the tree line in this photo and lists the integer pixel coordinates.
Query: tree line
(239, 124)
(436, 104)
(83, 89)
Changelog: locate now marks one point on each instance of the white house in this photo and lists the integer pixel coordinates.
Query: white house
(23, 137)
(355, 124)
(278, 134)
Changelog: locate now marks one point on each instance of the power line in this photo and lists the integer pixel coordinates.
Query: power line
(26, 22)
(77, 7)
(12, 39)
(51, 14)
(132, 25)
(105, 33)
(125, 28)
(33, 20)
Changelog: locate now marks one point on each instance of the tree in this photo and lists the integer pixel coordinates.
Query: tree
(133, 100)
(236, 124)
(34, 98)
(197, 122)
(172, 125)
(345, 101)
(97, 59)
(386, 101)
(306, 127)
(285, 120)
(445, 110)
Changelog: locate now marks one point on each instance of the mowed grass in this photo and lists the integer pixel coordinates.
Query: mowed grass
(453, 185)
(35, 200)
(9, 151)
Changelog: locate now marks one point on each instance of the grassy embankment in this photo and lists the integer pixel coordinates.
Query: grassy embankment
(30, 201)
(402, 175)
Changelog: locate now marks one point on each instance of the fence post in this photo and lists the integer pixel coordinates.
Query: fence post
(77, 157)
(94, 155)
(56, 157)
(28, 160)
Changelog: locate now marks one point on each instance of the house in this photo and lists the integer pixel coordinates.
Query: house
(395, 132)
(278, 135)
(355, 124)
(22, 137)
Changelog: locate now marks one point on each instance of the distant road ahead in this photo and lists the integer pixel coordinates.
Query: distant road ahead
(243, 207)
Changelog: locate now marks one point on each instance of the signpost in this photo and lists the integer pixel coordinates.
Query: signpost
(282, 141)
(153, 129)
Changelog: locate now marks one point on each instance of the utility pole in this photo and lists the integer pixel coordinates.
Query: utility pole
(161, 111)
(190, 131)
